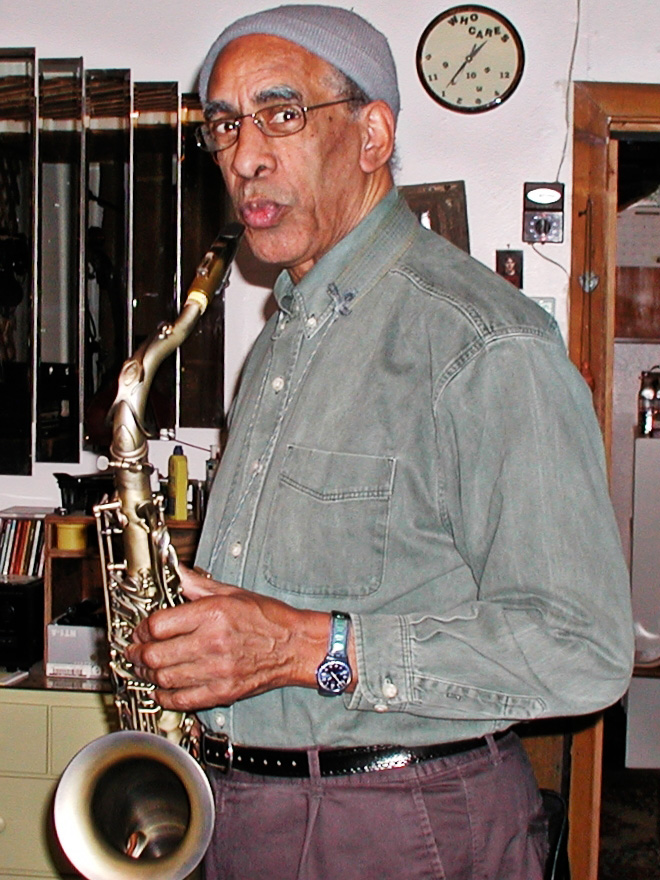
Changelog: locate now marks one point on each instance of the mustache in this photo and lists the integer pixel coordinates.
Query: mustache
(254, 192)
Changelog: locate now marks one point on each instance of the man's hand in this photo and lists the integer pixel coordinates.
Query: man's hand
(226, 644)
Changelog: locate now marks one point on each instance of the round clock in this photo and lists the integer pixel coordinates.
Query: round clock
(470, 59)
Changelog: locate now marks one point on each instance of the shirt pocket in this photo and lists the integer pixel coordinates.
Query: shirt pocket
(328, 524)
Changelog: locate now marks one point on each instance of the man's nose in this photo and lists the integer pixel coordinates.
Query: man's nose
(253, 151)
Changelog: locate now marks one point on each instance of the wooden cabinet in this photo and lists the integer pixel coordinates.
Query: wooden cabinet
(41, 731)
(72, 574)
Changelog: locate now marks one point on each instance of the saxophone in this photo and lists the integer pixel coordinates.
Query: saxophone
(136, 803)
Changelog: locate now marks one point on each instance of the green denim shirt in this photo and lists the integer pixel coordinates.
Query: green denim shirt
(411, 445)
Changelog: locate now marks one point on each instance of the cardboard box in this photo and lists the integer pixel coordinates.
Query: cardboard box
(77, 651)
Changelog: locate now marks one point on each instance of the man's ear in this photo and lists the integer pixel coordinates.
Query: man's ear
(378, 136)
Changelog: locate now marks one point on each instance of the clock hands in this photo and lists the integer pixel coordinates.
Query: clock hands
(468, 58)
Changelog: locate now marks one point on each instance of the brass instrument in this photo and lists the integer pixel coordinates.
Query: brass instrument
(136, 804)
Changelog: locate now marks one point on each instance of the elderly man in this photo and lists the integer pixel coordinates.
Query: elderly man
(409, 546)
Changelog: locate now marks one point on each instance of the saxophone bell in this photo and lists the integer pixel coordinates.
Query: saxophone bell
(143, 809)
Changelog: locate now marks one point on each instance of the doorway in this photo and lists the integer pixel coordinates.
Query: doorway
(615, 166)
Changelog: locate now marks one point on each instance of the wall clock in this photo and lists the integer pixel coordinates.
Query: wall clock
(470, 59)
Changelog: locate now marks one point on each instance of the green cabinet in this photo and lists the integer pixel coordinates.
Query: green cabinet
(40, 731)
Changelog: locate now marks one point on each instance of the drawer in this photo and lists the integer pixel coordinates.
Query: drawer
(72, 728)
(27, 844)
(23, 738)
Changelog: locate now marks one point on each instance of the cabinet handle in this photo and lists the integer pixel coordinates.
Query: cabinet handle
(3, 824)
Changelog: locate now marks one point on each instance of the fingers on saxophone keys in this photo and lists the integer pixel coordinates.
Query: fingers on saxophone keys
(141, 633)
(134, 654)
(187, 698)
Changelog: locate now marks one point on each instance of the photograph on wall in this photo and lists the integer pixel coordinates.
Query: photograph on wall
(509, 264)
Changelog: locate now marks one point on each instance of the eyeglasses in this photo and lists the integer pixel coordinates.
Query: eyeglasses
(280, 120)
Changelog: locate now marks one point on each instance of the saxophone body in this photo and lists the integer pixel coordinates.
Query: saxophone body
(136, 803)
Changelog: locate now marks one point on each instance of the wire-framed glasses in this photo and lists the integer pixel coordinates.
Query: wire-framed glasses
(280, 120)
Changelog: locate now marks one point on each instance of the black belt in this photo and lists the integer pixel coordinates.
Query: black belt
(219, 752)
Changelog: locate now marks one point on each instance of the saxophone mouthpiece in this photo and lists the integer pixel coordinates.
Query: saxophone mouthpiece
(212, 274)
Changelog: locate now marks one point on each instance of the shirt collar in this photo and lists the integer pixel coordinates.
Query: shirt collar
(343, 274)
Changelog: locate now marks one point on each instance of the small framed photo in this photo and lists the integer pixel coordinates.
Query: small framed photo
(509, 264)
(441, 207)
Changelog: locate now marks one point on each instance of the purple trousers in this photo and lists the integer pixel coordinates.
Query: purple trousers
(472, 816)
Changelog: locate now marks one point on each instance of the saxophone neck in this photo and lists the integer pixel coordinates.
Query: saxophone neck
(137, 373)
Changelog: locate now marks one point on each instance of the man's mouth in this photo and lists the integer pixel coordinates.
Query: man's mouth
(261, 213)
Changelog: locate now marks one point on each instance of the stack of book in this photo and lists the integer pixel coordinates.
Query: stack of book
(22, 541)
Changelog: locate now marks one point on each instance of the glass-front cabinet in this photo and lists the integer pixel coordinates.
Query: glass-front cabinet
(106, 208)
(17, 216)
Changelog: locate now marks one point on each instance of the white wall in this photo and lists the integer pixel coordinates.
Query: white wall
(494, 152)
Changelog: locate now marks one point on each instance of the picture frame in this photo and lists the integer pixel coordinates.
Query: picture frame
(441, 207)
(509, 264)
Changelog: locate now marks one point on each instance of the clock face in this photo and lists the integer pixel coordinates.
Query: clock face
(470, 59)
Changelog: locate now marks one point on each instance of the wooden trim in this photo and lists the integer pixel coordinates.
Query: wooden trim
(584, 801)
(619, 126)
(599, 110)
(624, 101)
(609, 249)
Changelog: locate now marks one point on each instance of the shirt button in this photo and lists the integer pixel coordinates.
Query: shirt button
(381, 707)
(390, 690)
(256, 467)
(277, 384)
(311, 322)
(236, 549)
(220, 719)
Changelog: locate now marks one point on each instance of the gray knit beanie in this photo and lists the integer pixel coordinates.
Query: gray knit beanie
(338, 36)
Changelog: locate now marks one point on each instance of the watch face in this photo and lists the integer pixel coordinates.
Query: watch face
(470, 59)
(333, 676)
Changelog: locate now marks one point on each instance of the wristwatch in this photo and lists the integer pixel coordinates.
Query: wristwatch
(334, 674)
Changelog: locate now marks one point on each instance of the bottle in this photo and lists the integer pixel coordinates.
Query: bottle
(211, 467)
(648, 403)
(177, 484)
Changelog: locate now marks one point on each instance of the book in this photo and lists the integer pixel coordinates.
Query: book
(19, 546)
(6, 558)
(41, 558)
(4, 543)
(29, 538)
(36, 550)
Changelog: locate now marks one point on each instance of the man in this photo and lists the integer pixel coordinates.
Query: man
(413, 486)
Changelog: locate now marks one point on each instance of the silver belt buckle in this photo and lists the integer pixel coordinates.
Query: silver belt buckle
(217, 751)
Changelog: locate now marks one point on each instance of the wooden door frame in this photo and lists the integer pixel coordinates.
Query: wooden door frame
(600, 109)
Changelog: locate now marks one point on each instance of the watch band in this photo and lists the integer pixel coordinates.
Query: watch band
(338, 644)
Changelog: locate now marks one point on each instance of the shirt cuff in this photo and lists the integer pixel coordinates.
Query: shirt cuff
(385, 679)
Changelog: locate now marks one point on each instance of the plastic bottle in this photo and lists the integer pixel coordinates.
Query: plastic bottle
(648, 403)
(211, 467)
(177, 484)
